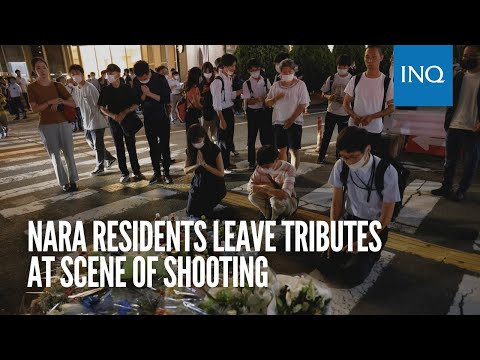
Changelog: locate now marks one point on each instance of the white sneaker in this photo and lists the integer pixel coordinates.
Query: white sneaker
(227, 171)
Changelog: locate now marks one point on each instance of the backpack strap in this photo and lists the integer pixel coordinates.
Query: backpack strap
(332, 78)
(223, 86)
(249, 84)
(380, 176)
(357, 79)
(386, 82)
(344, 175)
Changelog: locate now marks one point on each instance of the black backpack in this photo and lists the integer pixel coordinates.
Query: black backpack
(386, 82)
(382, 166)
(223, 86)
(249, 84)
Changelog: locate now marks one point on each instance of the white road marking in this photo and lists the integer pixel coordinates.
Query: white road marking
(467, 299)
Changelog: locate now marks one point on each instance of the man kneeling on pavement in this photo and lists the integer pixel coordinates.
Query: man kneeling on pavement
(271, 186)
(355, 173)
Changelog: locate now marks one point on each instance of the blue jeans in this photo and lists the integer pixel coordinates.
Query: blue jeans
(470, 142)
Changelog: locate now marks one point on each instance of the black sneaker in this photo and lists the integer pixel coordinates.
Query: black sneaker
(65, 188)
(24, 117)
(139, 177)
(97, 172)
(155, 179)
(235, 153)
(442, 191)
(457, 195)
(167, 179)
(109, 163)
(72, 187)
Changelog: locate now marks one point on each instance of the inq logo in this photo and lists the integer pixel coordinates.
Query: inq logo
(411, 70)
(424, 75)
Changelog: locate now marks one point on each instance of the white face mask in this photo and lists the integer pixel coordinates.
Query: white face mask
(144, 81)
(199, 145)
(277, 68)
(341, 71)
(176, 77)
(207, 75)
(358, 164)
(288, 77)
(111, 78)
(229, 73)
(255, 74)
(77, 78)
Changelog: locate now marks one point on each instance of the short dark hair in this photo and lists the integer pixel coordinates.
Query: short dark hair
(92, 73)
(35, 60)
(175, 72)
(76, 67)
(17, 71)
(103, 72)
(352, 139)
(280, 57)
(160, 68)
(172, 70)
(112, 68)
(141, 68)
(228, 59)
(253, 63)
(379, 47)
(218, 61)
(476, 47)
(266, 155)
(344, 60)
(126, 70)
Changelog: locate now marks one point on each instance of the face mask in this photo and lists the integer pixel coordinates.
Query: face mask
(176, 77)
(342, 71)
(255, 74)
(207, 75)
(111, 78)
(357, 165)
(77, 78)
(277, 68)
(468, 64)
(144, 81)
(199, 145)
(229, 73)
(288, 77)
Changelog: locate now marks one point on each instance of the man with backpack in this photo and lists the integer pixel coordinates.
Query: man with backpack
(259, 118)
(370, 189)
(223, 97)
(366, 96)
(334, 91)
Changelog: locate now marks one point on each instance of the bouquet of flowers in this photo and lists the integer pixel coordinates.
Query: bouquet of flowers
(301, 295)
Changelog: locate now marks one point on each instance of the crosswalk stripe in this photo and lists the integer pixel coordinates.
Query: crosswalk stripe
(118, 207)
(27, 189)
(319, 199)
(467, 298)
(42, 204)
(418, 203)
(15, 159)
(344, 300)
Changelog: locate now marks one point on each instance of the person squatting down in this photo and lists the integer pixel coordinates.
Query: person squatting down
(272, 185)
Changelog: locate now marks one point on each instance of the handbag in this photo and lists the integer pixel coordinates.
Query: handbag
(68, 111)
(131, 124)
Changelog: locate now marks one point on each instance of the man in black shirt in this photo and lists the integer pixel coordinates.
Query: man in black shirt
(117, 101)
(153, 92)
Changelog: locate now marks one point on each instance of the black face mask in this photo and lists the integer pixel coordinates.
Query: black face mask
(469, 64)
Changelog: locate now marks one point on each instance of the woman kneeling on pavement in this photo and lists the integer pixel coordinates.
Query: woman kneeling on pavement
(208, 184)
(49, 99)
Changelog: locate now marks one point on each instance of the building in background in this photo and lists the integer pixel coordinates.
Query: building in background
(96, 57)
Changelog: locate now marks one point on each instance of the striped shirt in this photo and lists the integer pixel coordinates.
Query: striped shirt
(284, 175)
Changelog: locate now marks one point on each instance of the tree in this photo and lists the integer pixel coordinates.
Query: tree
(387, 54)
(316, 63)
(263, 53)
(356, 53)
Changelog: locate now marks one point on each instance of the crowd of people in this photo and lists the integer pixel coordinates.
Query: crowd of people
(357, 104)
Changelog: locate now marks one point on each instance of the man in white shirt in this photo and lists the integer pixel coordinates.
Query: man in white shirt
(94, 81)
(176, 95)
(372, 95)
(94, 122)
(259, 119)
(14, 94)
(223, 96)
(462, 124)
(334, 91)
(289, 97)
(23, 85)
